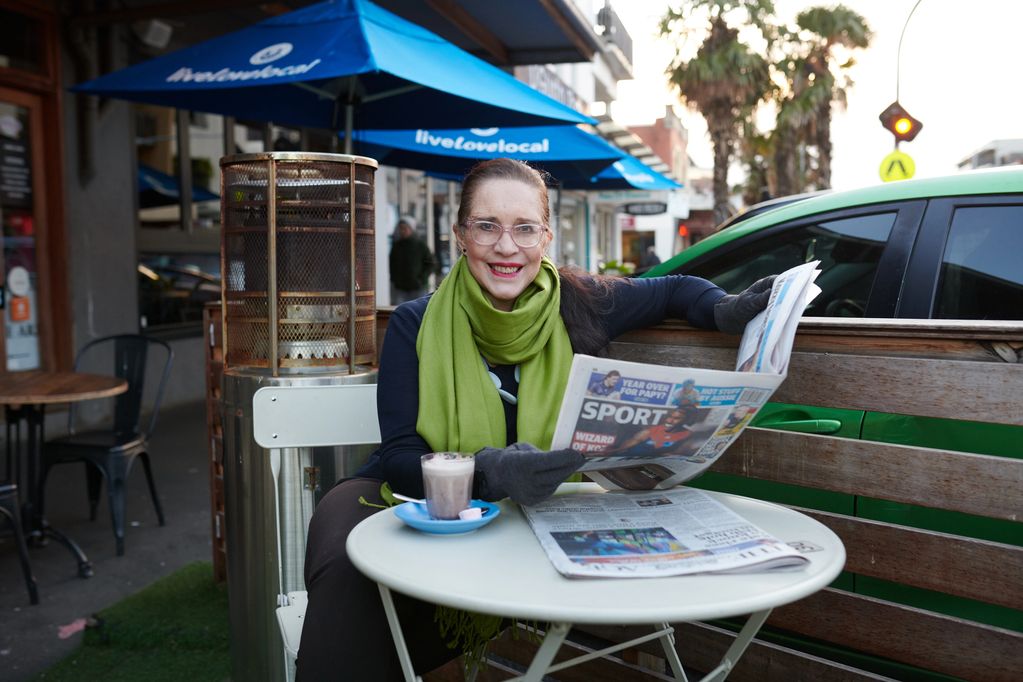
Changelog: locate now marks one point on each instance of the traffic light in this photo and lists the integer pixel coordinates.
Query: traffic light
(899, 123)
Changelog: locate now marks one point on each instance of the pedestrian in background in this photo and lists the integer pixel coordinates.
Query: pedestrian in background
(650, 258)
(410, 261)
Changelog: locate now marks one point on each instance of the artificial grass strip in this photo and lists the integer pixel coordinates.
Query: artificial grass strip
(177, 628)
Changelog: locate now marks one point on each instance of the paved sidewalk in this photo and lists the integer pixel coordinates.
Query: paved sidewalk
(30, 636)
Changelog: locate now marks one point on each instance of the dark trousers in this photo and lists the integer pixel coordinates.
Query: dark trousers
(345, 635)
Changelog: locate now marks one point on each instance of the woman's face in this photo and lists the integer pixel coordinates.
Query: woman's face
(504, 269)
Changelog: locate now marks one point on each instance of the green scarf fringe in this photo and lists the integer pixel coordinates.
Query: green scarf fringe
(469, 632)
(472, 632)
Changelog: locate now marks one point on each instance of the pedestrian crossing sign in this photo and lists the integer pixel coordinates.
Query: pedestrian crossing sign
(897, 166)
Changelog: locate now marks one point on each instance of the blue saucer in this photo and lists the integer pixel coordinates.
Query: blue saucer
(415, 515)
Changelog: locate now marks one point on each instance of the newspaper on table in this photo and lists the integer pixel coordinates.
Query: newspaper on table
(650, 534)
(644, 426)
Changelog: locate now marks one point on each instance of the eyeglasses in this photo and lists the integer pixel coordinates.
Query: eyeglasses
(488, 233)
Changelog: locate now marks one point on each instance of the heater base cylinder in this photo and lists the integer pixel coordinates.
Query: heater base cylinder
(254, 575)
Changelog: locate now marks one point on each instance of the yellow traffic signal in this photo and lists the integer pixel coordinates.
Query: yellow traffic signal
(897, 120)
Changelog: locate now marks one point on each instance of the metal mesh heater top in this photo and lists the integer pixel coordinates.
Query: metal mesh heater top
(298, 280)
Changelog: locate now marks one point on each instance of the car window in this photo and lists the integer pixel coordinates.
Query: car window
(982, 270)
(849, 250)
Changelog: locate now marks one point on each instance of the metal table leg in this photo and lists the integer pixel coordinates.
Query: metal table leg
(37, 529)
(399, 639)
(668, 644)
(541, 664)
(555, 638)
(742, 640)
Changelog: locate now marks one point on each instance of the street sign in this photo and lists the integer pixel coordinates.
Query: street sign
(646, 208)
(897, 166)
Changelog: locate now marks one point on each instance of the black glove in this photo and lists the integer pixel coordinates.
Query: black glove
(733, 312)
(522, 472)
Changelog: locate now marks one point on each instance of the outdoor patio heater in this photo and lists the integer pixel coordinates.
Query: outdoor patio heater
(299, 309)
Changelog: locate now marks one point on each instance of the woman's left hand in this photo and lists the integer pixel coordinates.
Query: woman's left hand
(733, 312)
(523, 473)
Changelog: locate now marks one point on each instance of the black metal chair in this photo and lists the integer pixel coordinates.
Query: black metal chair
(110, 453)
(9, 509)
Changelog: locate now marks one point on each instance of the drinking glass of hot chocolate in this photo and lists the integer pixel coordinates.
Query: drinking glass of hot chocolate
(447, 479)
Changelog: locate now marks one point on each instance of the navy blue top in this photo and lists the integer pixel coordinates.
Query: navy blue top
(634, 304)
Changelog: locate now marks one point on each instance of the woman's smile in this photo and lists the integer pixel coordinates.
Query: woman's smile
(508, 270)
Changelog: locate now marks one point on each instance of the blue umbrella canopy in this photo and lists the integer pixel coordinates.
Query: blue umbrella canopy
(159, 189)
(626, 173)
(563, 151)
(338, 65)
(575, 158)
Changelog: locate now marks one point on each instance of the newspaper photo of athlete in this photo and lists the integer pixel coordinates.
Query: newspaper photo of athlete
(669, 435)
(588, 546)
(607, 386)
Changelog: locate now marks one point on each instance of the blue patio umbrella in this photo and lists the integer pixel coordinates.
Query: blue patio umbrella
(160, 189)
(338, 65)
(626, 173)
(575, 158)
(563, 151)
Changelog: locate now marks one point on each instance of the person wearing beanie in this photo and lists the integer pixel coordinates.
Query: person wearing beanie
(410, 263)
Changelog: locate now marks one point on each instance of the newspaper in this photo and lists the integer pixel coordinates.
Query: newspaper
(644, 427)
(767, 342)
(650, 534)
(649, 428)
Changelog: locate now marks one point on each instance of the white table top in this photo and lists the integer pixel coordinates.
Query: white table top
(500, 569)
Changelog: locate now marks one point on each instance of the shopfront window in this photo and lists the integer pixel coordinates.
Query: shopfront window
(173, 288)
(21, 304)
(179, 268)
(445, 214)
(21, 42)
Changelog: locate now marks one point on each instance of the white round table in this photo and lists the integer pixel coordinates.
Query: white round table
(501, 569)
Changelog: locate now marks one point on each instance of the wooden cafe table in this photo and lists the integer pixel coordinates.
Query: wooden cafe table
(25, 396)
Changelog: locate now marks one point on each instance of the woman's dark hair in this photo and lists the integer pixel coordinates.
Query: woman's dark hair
(585, 299)
(502, 169)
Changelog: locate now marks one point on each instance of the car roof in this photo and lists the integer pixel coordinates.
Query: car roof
(1005, 180)
(768, 205)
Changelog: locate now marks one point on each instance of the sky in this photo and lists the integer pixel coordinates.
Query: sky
(959, 76)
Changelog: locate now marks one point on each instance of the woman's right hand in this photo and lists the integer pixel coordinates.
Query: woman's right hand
(522, 472)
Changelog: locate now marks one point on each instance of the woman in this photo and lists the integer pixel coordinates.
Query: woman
(480, 366)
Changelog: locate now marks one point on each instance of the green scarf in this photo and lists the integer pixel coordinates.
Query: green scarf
(459, 407)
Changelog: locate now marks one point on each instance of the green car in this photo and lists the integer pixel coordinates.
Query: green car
(936, 248)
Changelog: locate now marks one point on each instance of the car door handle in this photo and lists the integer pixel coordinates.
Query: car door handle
(803, 425)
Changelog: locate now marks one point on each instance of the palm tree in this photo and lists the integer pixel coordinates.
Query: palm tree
(756, 151)
(796, 123)
(830, 29)
(724, 81)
